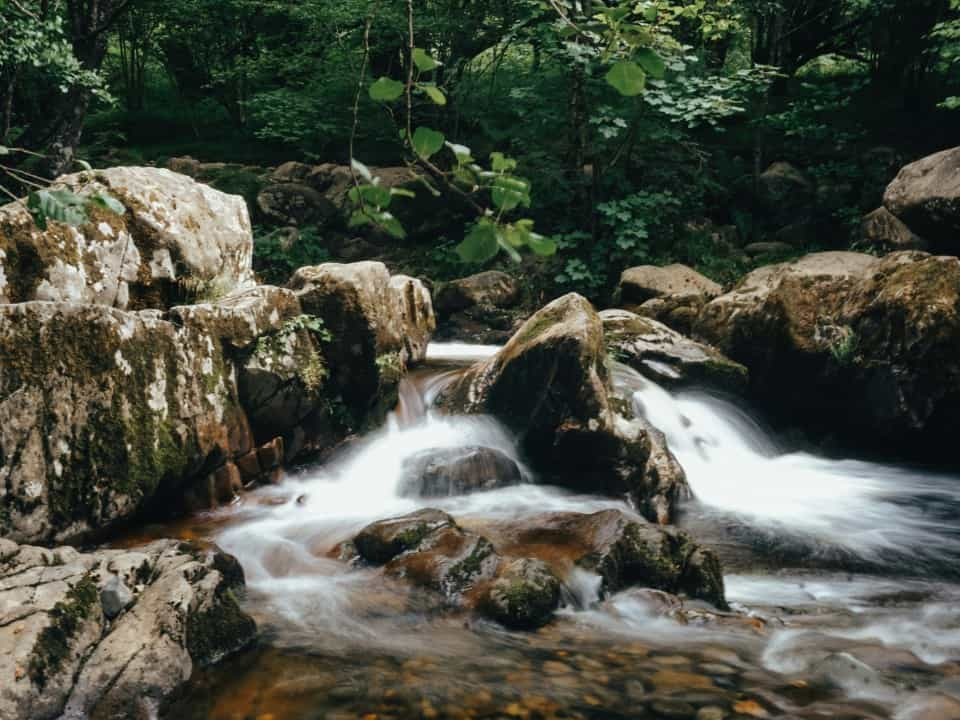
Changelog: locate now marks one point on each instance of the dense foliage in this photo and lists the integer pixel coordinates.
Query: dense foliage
(625, 131)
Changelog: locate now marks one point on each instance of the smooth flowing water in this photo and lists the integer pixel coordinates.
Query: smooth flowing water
(841, 572)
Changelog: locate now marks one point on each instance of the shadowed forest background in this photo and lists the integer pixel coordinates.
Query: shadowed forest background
(831, 97)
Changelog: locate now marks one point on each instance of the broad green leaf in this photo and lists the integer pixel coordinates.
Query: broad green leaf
(373, 195)
(508, 247)
(501, 163)
(616, 13)
(516, 235)
(462, 152)
(510, 192)
(427, 142)
(434, 93)
(627, 78)
(424, 62)
(651, 63)
(542, 245)
(480, 244)
(361, 169)
(386, 90)
(60, 205)
(108, 202)
(650, 14)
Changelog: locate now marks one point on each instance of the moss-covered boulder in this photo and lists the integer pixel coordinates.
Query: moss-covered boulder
(862, 347)
(524, 595)
(378, 324)
(551, 385)
(177, 239)
(60, 655)
(664, 355)
(102, 409)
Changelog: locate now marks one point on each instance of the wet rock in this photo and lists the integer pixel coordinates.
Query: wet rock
(101, 411)
(930, 706)
(115, 597)
(926, 196)
(524, 595)
(380, 326)
(60, 654)
(667, 356)
(836, 336)
(493, 287)
(178, 238)
(550, 384)
(884, 231)
(380, 542)
(623, 549)
(443, 472)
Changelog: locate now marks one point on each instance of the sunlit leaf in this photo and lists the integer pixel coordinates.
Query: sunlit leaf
(434, 93)
(386, 90)
(651, 63)
(424, 62)
(427, 142)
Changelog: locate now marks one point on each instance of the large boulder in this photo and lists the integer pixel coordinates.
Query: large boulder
(112, 633)
(102, 409)
(668, 357)
(176, 239)
(864, 347)
(379, 325)
(550, 385)
(926, 196)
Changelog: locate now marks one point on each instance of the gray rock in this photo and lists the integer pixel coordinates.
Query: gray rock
(115, 597)
(926, 196)
(639, 284)
(884, 231)
(443, 472)
(60, 655)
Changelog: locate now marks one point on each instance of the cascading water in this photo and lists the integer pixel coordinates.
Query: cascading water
(310, 604)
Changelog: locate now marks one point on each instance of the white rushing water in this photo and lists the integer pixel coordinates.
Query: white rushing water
(733, 465)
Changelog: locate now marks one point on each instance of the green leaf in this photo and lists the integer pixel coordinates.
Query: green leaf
(627, 78)
(508, 247)
(480, 244)
(373, 195)
(651, 63)
(510, 192)
(434, 93)
(4, 150)
(650, 14)
(60, 205)
(108, 202)
(462, 152)
(501, 163)
(542, 245)
(386, 90)
(427, 142)
(424, 62)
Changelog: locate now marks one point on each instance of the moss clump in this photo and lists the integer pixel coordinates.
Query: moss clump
(222, 629)
(461, 574)
(67, 617)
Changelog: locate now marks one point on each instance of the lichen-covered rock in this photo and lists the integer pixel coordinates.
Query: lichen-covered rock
(864, 347)
(60, 655)
(926, 196)
(666, 356)
(102, 409)
(884, 231)
(177, 239)
(379, 326)
(441, 472)
(550, 384)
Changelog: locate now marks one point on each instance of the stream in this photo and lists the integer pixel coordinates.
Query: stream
(843, 577)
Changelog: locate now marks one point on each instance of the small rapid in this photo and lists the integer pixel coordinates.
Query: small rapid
(855, 512)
